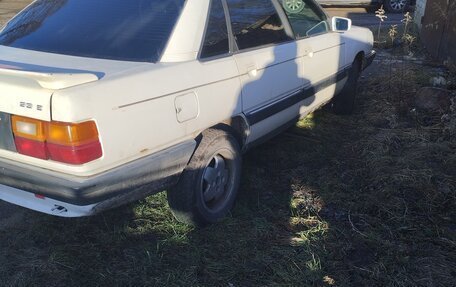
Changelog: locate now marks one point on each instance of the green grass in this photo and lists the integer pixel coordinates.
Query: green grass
(365, 200)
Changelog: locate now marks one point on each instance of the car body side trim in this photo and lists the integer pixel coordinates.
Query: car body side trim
(269, 110)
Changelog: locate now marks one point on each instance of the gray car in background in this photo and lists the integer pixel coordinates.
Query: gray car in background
(392, 6)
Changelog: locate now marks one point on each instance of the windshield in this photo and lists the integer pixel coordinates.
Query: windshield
(129, 30)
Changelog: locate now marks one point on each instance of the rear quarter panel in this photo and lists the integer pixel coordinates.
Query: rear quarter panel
(136, 112)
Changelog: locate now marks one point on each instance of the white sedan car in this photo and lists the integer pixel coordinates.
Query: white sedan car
(105, 102)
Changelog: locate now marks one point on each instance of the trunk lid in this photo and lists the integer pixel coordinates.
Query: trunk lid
(28, 78)
(28, 93)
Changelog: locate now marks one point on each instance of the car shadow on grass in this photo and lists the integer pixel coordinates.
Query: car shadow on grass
(277, 233)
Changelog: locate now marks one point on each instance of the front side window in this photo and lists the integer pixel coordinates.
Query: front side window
(216, 38)
(133, 30)
(306, 18)
(256, 23)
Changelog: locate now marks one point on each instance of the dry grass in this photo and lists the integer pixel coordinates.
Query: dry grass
(365, 200)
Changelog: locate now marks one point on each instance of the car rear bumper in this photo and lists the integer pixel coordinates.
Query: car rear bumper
(45, 205)
(368, 59)
(71, 196)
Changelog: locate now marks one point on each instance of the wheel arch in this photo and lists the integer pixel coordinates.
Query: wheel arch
(237, 126)
(359, 58)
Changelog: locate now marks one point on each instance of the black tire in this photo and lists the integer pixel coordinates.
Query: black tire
(395, 6)
(209, 184)
(344, 102)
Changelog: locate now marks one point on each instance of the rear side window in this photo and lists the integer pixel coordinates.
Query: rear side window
(133, 30)
(256, 23)
(306, 18)
(216, 38)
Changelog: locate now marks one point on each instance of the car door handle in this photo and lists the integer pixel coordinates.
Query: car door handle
(252, 72)
(308, 53)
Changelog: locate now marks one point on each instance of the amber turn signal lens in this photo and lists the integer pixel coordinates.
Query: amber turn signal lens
(71, 134)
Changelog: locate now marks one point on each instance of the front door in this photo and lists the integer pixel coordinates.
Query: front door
(322, 52)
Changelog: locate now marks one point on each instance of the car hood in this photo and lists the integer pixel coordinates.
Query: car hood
(28, 79)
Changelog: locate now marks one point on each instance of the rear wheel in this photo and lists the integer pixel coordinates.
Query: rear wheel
(344, 102)
(208, 186)
(395, 6)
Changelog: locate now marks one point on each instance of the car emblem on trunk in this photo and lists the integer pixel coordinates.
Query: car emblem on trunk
(30, 106)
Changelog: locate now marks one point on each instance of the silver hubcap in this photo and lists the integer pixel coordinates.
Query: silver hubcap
(293, 6)
(215, 179)
(398, 4)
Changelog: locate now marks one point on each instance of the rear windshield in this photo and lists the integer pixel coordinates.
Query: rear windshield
(129, 30)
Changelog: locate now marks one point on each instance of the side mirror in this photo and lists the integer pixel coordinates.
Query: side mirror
(340, 24)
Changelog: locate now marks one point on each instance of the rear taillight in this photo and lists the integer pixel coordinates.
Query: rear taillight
(63, 142)
(31, 148)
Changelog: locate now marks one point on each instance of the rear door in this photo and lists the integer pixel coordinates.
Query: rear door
(267, 61)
